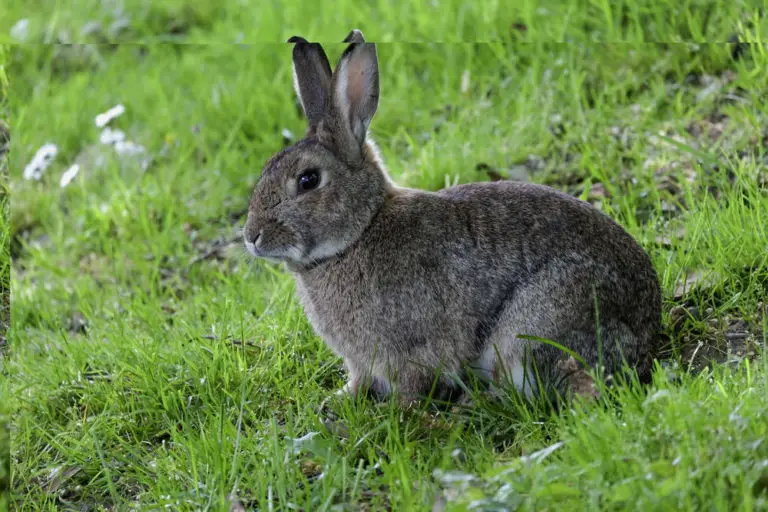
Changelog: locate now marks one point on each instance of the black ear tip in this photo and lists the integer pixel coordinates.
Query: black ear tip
(297, 39)
(356, 36)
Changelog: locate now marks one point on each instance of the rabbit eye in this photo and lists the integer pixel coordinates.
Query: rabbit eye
(308, 180)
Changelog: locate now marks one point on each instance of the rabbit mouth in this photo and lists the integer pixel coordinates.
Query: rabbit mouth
(251, 248)
(278, 256)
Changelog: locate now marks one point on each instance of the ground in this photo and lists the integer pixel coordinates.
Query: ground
(153, 364)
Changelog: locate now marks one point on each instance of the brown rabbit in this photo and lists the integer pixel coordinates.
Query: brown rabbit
(412, 287)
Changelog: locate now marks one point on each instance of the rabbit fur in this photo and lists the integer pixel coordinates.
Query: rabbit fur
(414, 288)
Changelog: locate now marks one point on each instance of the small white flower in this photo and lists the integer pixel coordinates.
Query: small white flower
(465, 81)
(69, 175)
(104, 118)
(20, 30)
(40, 162)
(110, 136)
(128, 148)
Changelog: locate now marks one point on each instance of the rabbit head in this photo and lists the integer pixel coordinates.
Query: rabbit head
(316, 197)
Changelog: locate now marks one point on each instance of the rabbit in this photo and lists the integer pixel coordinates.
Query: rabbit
(416, 289)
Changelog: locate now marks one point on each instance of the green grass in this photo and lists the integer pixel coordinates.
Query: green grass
(637, 21)
(142, 373)
(5, 291)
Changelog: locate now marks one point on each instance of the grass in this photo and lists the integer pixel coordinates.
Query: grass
(208, 21)
(5, 291)
(154, 365)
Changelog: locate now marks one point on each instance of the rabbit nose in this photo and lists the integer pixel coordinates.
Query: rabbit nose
(251, 241)
(253, 238)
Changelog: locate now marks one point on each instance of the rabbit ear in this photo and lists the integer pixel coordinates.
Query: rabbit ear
(354, 37)
(311, 78)
(356, 87)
